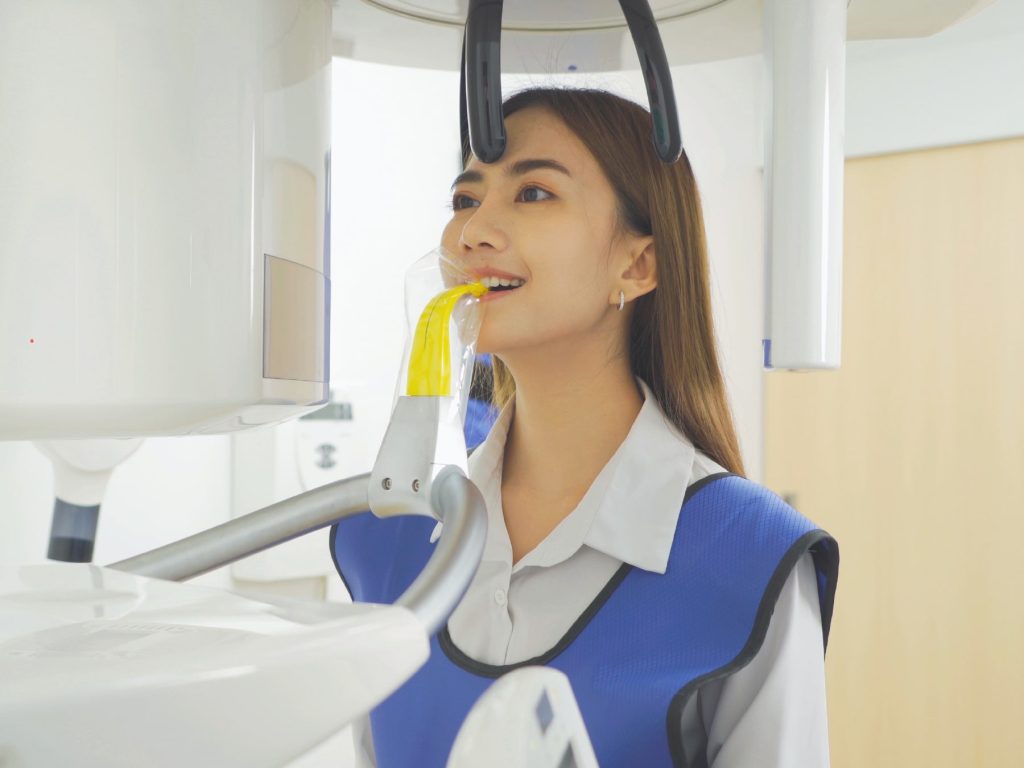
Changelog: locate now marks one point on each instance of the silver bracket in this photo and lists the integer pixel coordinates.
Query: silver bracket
(423, 437)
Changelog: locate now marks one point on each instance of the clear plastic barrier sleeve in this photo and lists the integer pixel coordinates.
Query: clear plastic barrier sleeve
(443, 318)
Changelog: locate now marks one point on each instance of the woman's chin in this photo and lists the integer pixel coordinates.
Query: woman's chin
(485, 341)
(496, 343)
(488, 345)
(501, 344)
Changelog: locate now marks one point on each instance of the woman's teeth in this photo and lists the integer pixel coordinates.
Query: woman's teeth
(501, 282)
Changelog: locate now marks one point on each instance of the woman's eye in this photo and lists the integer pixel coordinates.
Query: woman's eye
(461, 201)
(529, 196)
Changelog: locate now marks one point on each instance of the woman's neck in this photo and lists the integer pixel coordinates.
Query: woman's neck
(572, 412)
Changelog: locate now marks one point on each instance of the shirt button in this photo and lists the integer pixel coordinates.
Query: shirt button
(499, 596)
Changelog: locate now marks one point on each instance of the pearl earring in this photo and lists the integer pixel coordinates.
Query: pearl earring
(622, 300)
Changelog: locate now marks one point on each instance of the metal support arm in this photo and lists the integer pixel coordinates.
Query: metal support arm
(432, 596)
(224, 544)
(446, 576)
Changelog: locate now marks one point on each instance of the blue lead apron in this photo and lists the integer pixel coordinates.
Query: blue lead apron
(641, 650)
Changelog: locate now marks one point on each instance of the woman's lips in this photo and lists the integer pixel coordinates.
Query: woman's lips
(483, 274)
(495, 295)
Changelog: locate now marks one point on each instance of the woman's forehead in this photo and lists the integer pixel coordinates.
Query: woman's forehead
(535, 132)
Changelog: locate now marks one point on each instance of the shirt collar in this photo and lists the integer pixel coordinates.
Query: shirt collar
(631, 510)
(636, 515)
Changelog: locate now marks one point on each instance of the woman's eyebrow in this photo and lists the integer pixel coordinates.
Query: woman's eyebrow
(517, 168)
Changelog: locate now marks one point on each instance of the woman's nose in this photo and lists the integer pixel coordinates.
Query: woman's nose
(482, 230)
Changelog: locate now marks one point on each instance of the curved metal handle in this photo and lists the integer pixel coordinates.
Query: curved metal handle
(480, 104)
(444, 580)
(432, 596)
(668, 139)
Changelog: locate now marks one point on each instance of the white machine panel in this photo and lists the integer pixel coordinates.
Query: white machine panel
(103, 668)
(164, 215)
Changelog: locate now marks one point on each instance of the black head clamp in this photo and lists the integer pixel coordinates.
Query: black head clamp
(480, 105)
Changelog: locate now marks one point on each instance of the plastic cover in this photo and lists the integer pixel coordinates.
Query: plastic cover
(443, 318)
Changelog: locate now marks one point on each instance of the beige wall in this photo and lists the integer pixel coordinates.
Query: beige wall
(912, 455)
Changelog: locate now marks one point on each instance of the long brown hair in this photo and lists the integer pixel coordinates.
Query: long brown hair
(672, 337)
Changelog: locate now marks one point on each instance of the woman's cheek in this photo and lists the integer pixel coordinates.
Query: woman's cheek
(450, 238)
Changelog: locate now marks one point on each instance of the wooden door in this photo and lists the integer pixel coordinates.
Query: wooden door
(912, 455)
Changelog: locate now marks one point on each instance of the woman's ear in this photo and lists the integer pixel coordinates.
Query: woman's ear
(641, 275)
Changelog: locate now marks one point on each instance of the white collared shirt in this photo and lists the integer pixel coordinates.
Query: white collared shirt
(554, 583)
(770, 713)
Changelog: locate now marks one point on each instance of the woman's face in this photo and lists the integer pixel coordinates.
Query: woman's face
(545, 215)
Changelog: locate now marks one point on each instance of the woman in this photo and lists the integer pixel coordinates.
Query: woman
(688, 606)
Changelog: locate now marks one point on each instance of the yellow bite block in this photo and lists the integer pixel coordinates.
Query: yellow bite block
(430, 365)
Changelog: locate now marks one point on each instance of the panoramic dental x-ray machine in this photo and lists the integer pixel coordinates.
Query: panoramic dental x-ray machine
(165, 270)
